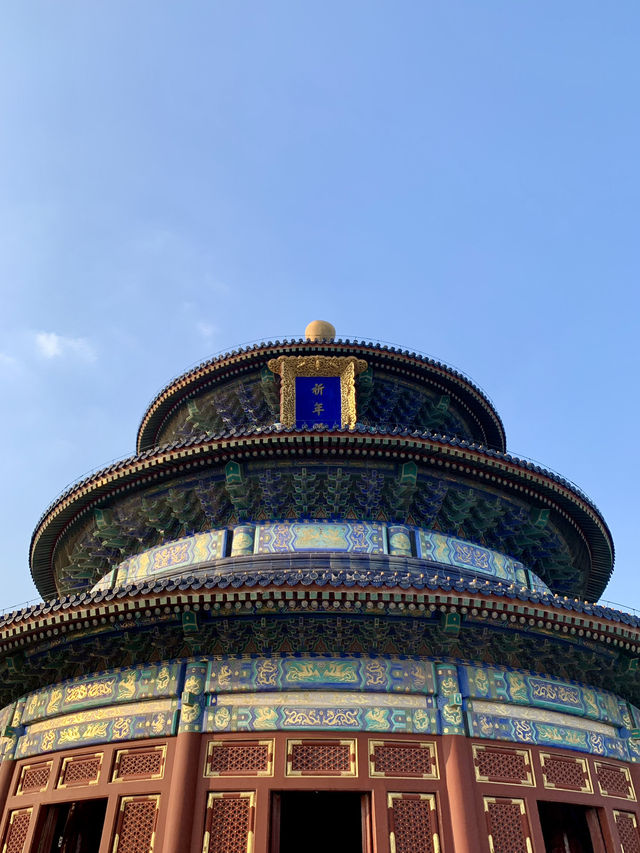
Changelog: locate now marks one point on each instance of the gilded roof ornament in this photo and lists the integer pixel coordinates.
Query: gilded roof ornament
(317, 390)
(320, 330)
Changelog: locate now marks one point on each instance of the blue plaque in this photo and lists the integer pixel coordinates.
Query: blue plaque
(318, 401)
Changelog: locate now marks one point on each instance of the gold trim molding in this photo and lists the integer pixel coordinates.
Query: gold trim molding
(427, 745)
(529, 777)
(289, 368)
(350, 744)
(430, 800)
(231, 744)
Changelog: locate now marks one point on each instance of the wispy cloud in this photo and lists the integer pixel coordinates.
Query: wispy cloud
(9, 365)
(206, 330)
(51, 345)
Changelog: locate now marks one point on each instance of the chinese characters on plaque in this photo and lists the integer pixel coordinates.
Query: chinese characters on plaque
(317, 390)
(318, 401)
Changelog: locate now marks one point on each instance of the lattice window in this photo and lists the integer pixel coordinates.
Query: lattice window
(627, 826)
(34, 777)
(507, 766)
(16, 834)
(240, 758)
(569, 774)
(136, 827)
(229, 823)
(507, 825)
(321, 758)
(413, 826)
(80, 770)
(139, 763)
(395, 758)
(614, 781)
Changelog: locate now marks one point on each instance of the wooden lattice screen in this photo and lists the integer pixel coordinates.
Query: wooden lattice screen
(507, 825)
(413, 823)
(229, 823)
(16, 834)
(627, 826)
(136, 827)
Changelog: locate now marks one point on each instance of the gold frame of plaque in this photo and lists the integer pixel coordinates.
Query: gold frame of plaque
(289, 368)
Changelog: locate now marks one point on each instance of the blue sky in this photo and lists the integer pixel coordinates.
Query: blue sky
(461, 178)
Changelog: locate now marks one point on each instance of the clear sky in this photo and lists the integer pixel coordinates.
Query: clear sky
(460, 178)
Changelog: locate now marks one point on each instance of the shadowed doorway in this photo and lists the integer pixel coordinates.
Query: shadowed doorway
(569, 828)
(71, 827)
(320, 821)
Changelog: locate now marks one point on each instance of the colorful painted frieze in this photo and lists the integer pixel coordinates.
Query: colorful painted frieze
(633, 748)
(449, 700)
(106, 581)
(450, 551)
(635, 716)
(356, 537)
(117, 686)
(484, 720)
(190, 551)
(157, 718)
(373, 538)
(353, 692)
(337, 711)
(626, 720)
(9, 722)
(521, 688)
(193, 697)
(536, 584)
(383, 675)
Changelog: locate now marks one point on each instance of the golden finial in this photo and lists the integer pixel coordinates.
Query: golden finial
(320, 330)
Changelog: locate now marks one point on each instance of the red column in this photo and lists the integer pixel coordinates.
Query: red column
(179, 823)
(468, 826)
(6, 774)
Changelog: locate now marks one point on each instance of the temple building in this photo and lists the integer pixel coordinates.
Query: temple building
(321, 608)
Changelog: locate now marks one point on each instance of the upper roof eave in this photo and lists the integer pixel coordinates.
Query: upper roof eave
(130, 472)
(190, 381)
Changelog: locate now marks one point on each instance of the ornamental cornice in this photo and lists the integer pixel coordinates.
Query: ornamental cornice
(476, 605)
(451, 455)
(214, 600)
(237, 362)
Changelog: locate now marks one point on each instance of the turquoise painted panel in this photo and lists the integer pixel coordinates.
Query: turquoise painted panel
(154, 718)
(383, 675)
(633, 747)
(190, 551)
(480, 682)
(8, 732)
(93, 691)
(242, 540)
(399, 540)
(107, 581)
(536, 584)
(193, 697)
(625, 714)
(349, 693)
(333, 717)
(463, 555)
(495, 727)
(451, 718)
(356, 537)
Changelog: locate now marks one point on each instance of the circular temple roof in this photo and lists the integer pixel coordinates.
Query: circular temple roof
(417, 375)
(493, 492)
(427, 450)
